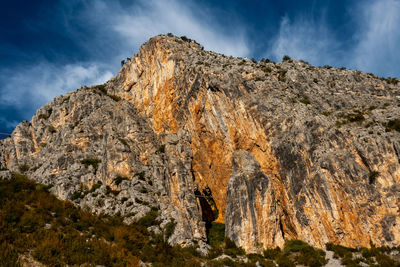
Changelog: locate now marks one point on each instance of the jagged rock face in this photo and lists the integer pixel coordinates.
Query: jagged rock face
(288, 150)
(86, 138)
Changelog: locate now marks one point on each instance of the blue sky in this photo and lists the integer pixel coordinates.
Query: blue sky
(50, 47)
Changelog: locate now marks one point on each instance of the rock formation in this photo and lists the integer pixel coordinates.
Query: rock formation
(287, 150)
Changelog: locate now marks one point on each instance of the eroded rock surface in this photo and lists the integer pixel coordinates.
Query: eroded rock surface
(288, 150)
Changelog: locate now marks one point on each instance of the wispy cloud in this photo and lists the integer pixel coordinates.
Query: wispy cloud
(117, 32)
(152, 17)
(378, 38)
(24, 89)
(374, 46)
(305, 38)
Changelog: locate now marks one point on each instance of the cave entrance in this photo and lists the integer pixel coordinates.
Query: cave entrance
(209, 209)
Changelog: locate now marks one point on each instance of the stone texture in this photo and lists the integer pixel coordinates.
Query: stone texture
(290, 150)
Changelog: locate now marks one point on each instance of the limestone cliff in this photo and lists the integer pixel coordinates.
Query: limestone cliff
(287, 150)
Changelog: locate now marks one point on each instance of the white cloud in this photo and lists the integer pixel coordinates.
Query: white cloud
(27, 88)
(306, 39)
(148, 18)
(115, 33)
(378, 38)
(374, 46)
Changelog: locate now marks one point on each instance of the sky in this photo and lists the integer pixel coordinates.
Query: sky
(51, 47)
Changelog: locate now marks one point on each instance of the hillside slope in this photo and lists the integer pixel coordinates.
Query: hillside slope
(274, 150)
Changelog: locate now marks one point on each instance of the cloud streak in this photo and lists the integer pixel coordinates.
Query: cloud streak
(24, 89)
(374, 46)
(378, 40)
(304, 38)
(149, 18)
(116, 33)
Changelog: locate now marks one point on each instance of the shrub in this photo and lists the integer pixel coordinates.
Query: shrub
(216, 234)
(115, 98)
(141, 176)
(161, 149)
(96, 186)
(169, 228)
(119, 179)
(305, 100)
(123, 141)
(101, 88)
(8, 255)
(231, 249)
(43, 116)
(90, 161)
(392, 125)
(272, 254)
(307, 255)
(266, 69)
(149, 219)
(339, 251)
(185, 39)
(46, 115)
(76, 195)
(282, 75)
(284, 261)
(23, 168)
(286, 58)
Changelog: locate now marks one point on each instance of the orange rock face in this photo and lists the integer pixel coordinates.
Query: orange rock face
(319, 189)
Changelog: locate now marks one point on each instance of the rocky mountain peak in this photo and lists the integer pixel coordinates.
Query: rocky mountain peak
(274, 150)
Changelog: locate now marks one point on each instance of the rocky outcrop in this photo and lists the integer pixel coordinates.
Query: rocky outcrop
(287, 150)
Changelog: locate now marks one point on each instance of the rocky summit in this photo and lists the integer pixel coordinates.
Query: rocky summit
(275, 151)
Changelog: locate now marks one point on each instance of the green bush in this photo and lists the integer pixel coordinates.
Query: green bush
(23, 168)
(305, 100)
(161, 149)
(95, 186)
(231, 249)
(8, 255)
(286, 58)
(282, 75)
(89, 161)
(392, 125)
(149, 219)
(119, 179)
(169, 228)
(272, 254)
(266, 69)
(216, 234)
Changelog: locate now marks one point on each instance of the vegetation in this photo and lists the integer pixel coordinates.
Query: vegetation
(286, 58)
(161, 148)
(89, 161)
(101, 88)
(357, 116)
(305, 100)
(119, 179)
(392, 125)
(23, 168)
(266, 69)
(56, 233)
(282, 75)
